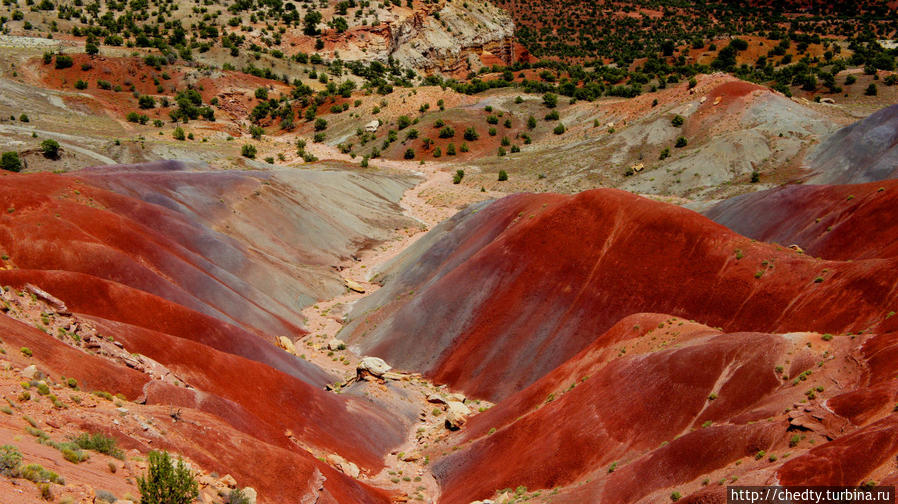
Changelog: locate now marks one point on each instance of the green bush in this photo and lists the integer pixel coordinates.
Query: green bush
(248, 151)
(10, 458)
(178, 134)
(146, 102)
(167, 483)
(50, 148)
(503, 176)
(409, 153)
(677, 120)
(99, 443)
(37, 474)
(471, 135)
(237, 497)
(63, 61)
(681, 142)
(26, 351)
(10, 161)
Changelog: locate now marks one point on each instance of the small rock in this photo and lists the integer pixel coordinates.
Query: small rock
(335, 344)
(436, 399)
(45, 296)
(285, 343)
(373, 365)
(228, 481)
(345, 466)
(456, 413)
(122, 410)
(353, 286)
(250, 494)
(456, 397)
(31, 372)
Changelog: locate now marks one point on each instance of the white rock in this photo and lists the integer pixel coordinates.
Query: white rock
(374, 365)
(31, 372)
(250, 494)
(335, 344)
(457, 413)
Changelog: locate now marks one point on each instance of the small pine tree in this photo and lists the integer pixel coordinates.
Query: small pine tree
(167, 483)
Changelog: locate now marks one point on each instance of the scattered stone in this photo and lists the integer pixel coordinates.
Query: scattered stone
(456, 397)
(228, 481)
(343, 465)
(250, 494)
(353, 286)
(436, 399)
(48, 298)
(374, 366)
(457, 413)
(285, 343)
(31, 372)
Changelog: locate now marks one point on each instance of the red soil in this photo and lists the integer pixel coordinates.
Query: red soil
(840, 222)
(553, 271)
(638, 397)
(280, 470)
(162, 284)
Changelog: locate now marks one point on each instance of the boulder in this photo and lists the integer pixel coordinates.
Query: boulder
(456, 397)
(457, 413)
(343, 465)
(285, 343)
(353, 286)
(250, 494)
(54, 302)
(31, 372)
(374, 366)
(335, 344)
(436, 398)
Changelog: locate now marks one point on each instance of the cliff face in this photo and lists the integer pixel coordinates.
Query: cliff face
(444, 37)
(449, 37)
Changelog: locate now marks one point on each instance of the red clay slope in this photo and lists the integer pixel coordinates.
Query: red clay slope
(279, 471)
(638, 398)
(506, 293)
(835, 222)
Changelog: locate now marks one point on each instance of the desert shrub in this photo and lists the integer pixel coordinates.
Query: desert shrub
(10, 161)
(681, 142)
(167, 483)
(248, 151)
(503, 176)
(63, 61)
(237, 497)
(471, 135)
(178, 134)
(99, 443)
(146, 102)
(10, 458)
(677, 120)
(37, 474)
